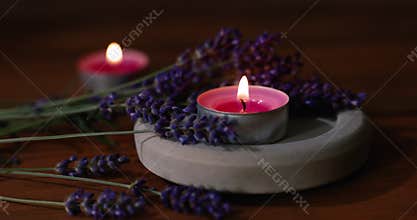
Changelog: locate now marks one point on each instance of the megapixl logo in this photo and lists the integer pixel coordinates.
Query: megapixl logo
(3, 206)
(412, 56)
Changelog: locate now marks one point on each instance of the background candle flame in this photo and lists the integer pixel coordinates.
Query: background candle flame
(243, 89)
(114, 53)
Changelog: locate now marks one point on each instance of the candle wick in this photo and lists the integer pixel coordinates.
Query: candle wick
(243, 105)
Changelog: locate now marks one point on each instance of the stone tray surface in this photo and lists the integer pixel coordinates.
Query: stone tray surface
(315, 151)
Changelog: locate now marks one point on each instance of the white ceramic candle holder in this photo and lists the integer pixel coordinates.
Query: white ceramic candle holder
(316, 151)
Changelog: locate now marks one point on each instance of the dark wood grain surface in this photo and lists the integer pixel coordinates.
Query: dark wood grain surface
(356, 44)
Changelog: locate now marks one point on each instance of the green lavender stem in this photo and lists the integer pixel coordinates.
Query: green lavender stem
(15, 171)
(153, 191)
(106, 91)
(28, 169)
(22, 126)
(57, 112)
(64, 109)
(32, 201)
(26, 111)
(66, 136)
(71, 100)
(57, 176)
(61, 204)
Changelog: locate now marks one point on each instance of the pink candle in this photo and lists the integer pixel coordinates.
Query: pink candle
(259, 114)
(256, 98)
(108, 68)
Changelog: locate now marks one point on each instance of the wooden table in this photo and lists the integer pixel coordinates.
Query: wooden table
(358, 45)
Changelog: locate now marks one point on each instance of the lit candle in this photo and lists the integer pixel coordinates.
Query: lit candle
(104, 69)
(260, 113)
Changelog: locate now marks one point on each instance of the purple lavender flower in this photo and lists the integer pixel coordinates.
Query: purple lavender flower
(107, 204)
(37, 106)
(105, 105)
(101, 165)
(138, 187)
(212, 52)
(174, 81)
(180, 123)
(257, 56)
(314, 97)
(72, 203)
(169, 101)
(194, 70)
(187, 199)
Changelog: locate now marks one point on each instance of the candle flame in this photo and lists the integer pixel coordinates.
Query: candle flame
(243, 89)
(114, 53)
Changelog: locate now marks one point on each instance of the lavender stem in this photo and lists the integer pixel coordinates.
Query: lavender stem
(28, 169)
(67, 101)
(56, 176)
(75, 135)
(32, 201)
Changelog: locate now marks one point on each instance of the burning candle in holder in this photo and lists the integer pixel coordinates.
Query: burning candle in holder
(105, 69)
(259, 114)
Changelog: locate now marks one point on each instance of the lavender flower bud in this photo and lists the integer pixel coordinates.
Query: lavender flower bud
(195, 200)
(108, 203)
(96, 166)
(105, 105)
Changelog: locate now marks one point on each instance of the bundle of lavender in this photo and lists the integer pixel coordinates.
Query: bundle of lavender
(166, 99)
(114, 204)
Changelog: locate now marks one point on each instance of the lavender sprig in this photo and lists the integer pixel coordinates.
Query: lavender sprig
(97, 166)
(107, 204)
(188, 199)
(158, 105)
(213, 51)
(169, 104)
(74, 135)
(180, 123)
(180, 198)
(105, 105)
(313, 97)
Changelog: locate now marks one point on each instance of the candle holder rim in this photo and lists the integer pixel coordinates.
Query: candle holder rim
(243, 114)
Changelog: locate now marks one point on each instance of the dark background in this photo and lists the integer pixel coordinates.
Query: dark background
(359, 45)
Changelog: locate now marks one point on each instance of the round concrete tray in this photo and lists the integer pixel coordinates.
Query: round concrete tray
(316, 151)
